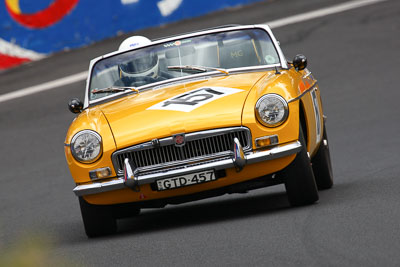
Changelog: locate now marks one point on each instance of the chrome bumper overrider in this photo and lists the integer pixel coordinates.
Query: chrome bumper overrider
(238, 160)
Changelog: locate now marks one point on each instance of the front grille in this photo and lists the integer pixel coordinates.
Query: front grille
(199, 146)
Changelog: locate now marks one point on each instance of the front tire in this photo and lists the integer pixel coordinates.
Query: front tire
(98, 220)
(322, 165)
(300, 183)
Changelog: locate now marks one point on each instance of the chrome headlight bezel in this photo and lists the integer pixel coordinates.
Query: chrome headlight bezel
(99, 146)
(284, 108)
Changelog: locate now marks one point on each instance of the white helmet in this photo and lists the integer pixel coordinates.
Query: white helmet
(133, 42)
(139, 66)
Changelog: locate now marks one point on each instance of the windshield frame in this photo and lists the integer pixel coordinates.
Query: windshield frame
(282, 63)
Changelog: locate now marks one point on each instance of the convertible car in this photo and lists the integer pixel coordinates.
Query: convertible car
(194, 116)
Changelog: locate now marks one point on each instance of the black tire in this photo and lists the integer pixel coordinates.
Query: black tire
(322, 165)
(98, 220)
(300, 183)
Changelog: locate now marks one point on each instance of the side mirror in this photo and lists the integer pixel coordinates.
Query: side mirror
(300, 62)
(75, 105)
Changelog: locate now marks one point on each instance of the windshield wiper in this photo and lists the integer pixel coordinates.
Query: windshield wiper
(113, 89)
(196, 69)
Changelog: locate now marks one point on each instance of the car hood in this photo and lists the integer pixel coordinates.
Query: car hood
(194, 106)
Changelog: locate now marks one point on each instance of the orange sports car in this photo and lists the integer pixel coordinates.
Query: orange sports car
(194, 116)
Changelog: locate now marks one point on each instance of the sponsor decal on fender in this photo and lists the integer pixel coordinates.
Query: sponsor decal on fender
(193, 99)
(317, 114)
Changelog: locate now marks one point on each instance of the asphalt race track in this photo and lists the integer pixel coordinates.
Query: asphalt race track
(354, 55)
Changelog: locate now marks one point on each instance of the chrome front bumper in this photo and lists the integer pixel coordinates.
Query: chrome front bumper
(236, 161)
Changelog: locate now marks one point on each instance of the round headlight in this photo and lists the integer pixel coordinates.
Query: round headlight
(272, 110)
(86, 146)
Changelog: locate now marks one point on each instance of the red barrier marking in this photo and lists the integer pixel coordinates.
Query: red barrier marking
(9, 61)
(44, 18)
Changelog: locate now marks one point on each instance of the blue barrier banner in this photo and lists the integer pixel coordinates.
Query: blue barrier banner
(46, 26)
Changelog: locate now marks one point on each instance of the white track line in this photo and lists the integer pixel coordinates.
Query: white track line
(321, 12)
(44, 86)
(273, 24)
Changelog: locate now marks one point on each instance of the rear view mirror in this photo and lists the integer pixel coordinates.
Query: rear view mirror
(300, 62)
(75, 105)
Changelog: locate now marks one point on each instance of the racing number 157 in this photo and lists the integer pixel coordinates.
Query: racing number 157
(193, 98)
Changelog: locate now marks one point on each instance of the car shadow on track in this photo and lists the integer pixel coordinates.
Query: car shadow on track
(197, 213)
(213, 210)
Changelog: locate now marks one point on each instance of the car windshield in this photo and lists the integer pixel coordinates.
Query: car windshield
(211, 52)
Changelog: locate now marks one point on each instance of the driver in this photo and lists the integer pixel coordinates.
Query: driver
(143, 68)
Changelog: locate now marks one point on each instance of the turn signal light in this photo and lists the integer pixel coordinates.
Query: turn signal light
(100, 173)
(267, 141)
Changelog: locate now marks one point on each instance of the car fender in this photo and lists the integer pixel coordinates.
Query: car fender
(90, 119)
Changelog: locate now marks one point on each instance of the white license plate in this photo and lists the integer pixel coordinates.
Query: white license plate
(185, 180)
